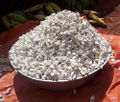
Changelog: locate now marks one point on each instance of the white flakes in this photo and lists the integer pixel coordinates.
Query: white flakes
(92, 98)
(119, 68)
(1, 100)
(0, 96)
(8, 91)
(116, 61)
(61, 47)
(74, 91)
(113, 59)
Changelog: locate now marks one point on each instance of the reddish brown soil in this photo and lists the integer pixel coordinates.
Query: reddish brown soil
(113, 22)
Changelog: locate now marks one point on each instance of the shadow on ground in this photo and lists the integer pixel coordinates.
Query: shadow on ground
(29, 92)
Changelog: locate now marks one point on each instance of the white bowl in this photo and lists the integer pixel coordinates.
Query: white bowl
(62, 84)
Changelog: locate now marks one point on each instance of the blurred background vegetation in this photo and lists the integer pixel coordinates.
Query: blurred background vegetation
(14, 12)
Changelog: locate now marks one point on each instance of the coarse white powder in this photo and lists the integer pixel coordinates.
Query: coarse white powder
(1, 100)
(0, 96)
(8, 91)
(63, 47)
(119, 68)
(74, 91)
(92, 98)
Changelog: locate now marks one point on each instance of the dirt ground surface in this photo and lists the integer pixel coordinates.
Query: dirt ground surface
(113, 22)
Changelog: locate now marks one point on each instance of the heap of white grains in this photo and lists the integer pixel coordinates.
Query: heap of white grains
(63, 47)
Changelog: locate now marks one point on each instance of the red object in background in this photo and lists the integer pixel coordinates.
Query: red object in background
(105, 86)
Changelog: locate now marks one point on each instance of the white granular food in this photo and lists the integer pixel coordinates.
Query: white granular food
(0, 96)
(119, 68)
(74, 91)
(92, 98)
(1, 100)
(63, 47)
(8, 91)
(113, 58)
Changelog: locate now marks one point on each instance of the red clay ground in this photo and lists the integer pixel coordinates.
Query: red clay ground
(113, 22)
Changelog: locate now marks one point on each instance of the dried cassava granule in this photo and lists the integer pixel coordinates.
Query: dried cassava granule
(1, 100)
(0, 96)
(119, 68)
(8, 91)
(92, 98)
(74, 91)
(63, 47)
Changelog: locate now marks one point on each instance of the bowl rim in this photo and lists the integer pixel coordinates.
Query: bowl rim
(58, 81)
